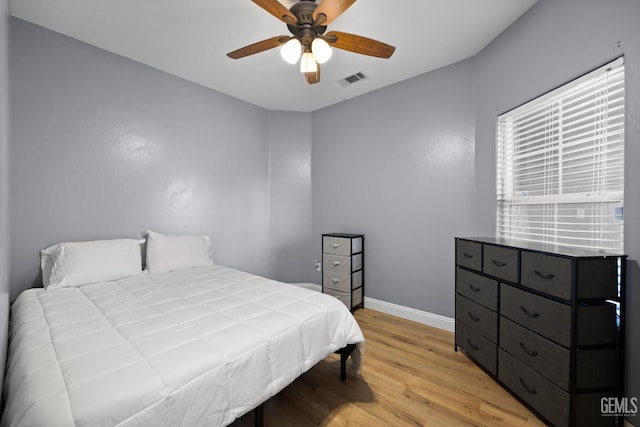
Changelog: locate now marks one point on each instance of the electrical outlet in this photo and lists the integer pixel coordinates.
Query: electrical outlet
(318, 265)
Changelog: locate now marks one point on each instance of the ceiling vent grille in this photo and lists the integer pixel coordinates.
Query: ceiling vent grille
(354, 78)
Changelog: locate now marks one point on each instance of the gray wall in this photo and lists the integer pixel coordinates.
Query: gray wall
(398, 165)
(4, 187)
(554, 42)
(105, 147)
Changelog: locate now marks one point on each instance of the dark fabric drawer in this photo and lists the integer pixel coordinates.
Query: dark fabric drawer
(546, 398)
(479, 348)
(547, 358)
(597, 324)
(469, 254)
(548, 274)
(477, 317)
(548, 318)
(597, 278)
(501, 262)
(477, 288)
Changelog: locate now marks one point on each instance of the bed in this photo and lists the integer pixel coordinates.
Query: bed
(191, 347)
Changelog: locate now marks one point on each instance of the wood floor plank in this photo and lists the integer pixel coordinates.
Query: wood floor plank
(411, 376)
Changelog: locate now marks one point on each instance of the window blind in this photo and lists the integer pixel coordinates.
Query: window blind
(560, 164)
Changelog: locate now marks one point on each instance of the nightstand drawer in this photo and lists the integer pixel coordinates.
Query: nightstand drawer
(481, 349)
(341, 245)
(342, 282)
(477, 317)
(479, 289)
(336, 265)
(541, 315)
(547, 273)
(469, 254)
(545, 357)
(500, 262)
(346, 297)
(542, 395)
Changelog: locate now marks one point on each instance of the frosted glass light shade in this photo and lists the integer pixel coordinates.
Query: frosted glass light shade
(308, 63)
(290, 51)
(321, 50)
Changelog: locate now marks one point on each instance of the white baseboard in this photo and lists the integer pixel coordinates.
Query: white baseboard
(408, 313)
(627, 424)
(424, 317)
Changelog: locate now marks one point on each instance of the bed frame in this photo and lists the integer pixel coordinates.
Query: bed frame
(344, 353)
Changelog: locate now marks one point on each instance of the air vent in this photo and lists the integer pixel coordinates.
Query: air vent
(354, 78)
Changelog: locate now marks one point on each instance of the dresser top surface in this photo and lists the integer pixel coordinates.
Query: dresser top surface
(544, 247)
(344, 235)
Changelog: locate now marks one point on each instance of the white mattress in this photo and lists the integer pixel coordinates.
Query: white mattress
(190, 348)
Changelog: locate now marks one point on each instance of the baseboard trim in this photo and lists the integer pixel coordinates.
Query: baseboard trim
(627, 424)
(424, 317)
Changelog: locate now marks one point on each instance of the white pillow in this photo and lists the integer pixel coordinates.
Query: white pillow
(168, 253)
(80, 263)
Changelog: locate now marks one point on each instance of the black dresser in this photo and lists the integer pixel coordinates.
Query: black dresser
(547, 322)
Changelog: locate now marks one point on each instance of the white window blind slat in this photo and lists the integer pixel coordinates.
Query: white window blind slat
(560, 164)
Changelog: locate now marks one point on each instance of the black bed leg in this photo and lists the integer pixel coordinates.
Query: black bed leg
(344, 353)
(259, 415)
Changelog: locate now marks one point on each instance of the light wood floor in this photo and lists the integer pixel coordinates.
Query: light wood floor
(410, 376)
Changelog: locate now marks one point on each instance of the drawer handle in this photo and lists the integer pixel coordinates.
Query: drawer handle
(546, 276)
(467, 255)
(335, 245)
(335, 281)
(472, 316)
(529, 389)
(472, 345)
(498, 263)
(336, 263)
(531, 353)
(532, 314)
(473, 288)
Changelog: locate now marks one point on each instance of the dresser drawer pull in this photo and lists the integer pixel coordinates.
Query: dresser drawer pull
(335, 245)
(335, 281)
(472, 345)
(472, 316)
(531, 353)
(336, 263)
(498, 263)
(529, 389)
(546, 276)
(529, 313)
(473, 288)
(467, 255)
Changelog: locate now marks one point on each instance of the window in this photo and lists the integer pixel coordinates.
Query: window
(560, 164)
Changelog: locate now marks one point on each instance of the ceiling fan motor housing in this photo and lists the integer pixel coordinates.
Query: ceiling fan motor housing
(305, 29)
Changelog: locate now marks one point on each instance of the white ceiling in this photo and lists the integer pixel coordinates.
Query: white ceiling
(190, 39)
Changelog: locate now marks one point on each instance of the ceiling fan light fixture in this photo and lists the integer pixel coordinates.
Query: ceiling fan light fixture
(308, 63)
(321, 50)
(291, 50)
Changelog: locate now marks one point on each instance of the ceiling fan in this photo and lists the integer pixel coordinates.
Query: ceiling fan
(307, 21)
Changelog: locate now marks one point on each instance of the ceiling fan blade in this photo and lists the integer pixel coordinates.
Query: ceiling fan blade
(276, 8)
(331, 9)
(258, 47)
(313, 78)
(359, 44)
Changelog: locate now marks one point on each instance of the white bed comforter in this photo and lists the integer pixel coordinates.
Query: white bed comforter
(196, 347)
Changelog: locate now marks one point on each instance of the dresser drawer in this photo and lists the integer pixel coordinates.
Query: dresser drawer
(477, 288)
(545, 357)
(550, 401)
(547, 273)
(341, 245)
(336, 265)
(342, 282)
(477, 317)
(469, 254)
(475, 345)
(346, 297)
(548, 318)
(500, 262)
